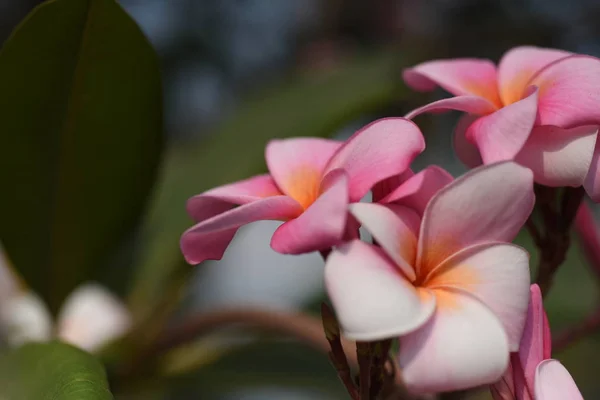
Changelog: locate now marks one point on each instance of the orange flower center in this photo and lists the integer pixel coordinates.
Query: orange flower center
(303, 185)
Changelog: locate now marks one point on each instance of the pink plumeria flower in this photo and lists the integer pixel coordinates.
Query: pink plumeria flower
(310, 185)
(532, 375)
(540, 107)
(447, 284)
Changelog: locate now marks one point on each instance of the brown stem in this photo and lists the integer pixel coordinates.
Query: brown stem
(574, 333)
(534, 232)
(363, 353)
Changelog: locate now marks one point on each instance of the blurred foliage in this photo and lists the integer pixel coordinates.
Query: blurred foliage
(52, 371)
(80, 116)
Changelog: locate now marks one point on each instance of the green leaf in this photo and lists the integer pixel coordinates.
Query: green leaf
(314, 105)
(52, 371)
(81, 133)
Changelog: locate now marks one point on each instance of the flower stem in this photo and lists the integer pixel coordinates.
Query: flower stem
(364, 356)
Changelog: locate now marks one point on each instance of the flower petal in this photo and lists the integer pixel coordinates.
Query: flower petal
(223, 198)
(417, 190)
(387, 186)
(395, 229)
(322, 225)
(24, 317)
(592, 179)
(370, 296)
(586, 228)
(466, 151)
(380, 150)
(469, 104)
(569, 92)
(519, 65)
(208, 239)
(489, 203)
(463, 345)
(497, 274)
(553, 382)
(501, 135)
(459, 77)
(91, 317)
(297, 165)
(536, 342)
(559, 157)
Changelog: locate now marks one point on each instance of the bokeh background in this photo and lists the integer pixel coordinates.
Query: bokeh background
(239, 72)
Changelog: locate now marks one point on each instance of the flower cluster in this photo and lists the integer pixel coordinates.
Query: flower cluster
(440, 273)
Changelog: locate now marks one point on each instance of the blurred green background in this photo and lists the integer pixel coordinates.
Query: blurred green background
(98, 158)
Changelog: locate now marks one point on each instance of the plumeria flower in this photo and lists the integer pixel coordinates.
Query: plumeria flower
(310, 184)
(532, 375)
(540, 107)
(447, 284)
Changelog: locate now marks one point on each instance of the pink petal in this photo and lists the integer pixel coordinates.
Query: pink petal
(208, 239)
(459, 77)
(469, 104)
(395, 229)
(371, 299)
(553, 382)
(490, 203)
(223, 198)
(297, 165)
(592, 179)
(536, 342)
(586, 228)
(559, 157)
(463, 345)
(322, 225)
(380, 150)
(519, 65)
(501, 135)
(387, 186)
(466, 151)
(569, 92)
(497, 274)
(416, 191)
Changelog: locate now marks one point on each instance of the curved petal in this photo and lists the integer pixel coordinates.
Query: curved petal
(466, 151)
(501, 135)
(416, 191)
(387, 186)
(459, 77)
(223, 198)
(497, 274)
(371, 298)
(297, 165)
(569, 92)
(24, 318)
(380, 150)
(469, 104)
(207, 240)
(395, 229)
(463, 345)
(592, 179)
(519, 65)
(322, 225)
(553, 382)
(559, 157)
(91, 317)
(488, 204)
(536, 342)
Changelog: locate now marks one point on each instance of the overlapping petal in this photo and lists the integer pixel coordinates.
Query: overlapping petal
(592, 179)
(469, 104)
(395, 228)
(208, 239)
(466, 151)
(467, 76)
(416, 191)
(559, 157)
(461, 346)
(519, 65)
(502, 134)
(380, 150)
(553, 382)
(489, 203)
(495, 273)
(387, 186)
(371, 298)
(322, 225)
(569, 92)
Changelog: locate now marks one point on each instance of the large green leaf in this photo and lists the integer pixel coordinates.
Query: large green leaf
(308, 105)
(52, 371)
(80, 123)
